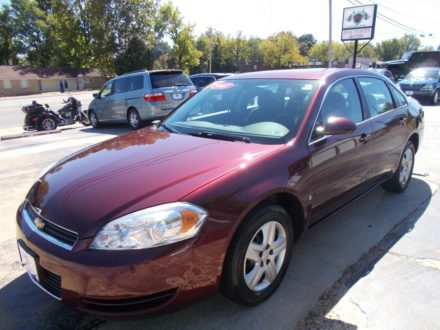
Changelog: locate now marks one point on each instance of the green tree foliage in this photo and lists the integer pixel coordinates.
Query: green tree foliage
(319, 52)
(137, 56)
(184, 52)
(306, 42)
(393, 49)
(281, 51)
(7, 48)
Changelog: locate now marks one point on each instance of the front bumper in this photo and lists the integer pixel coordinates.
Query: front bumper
(419, 93)
(119, 284)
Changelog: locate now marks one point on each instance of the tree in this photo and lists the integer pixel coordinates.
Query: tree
(7, 51)
(237, 48)
(389, 50)
(137, 56)
(184, 52)
(319, 52)
(281, 51)
(306, 42)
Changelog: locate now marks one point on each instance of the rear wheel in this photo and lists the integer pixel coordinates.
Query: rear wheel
(134, 120)
(401, 178)
(258, 256)
(47, 124)
(93, 119)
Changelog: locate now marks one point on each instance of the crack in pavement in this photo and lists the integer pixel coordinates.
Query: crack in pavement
(426, 262)
(362, 311)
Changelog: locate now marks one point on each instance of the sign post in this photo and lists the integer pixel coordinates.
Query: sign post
(358, 23)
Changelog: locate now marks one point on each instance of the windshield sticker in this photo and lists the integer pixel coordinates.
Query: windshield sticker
(221, 85)
(307, 87)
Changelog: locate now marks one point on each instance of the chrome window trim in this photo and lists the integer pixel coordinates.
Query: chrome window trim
(310, 142)
(29, 221)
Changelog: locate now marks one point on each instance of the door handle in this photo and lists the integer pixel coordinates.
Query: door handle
(365, 138)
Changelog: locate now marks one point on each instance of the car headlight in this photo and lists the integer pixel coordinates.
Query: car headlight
(154, 226)
(428, 87)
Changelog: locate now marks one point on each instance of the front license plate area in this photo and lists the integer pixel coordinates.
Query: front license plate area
(28, 262)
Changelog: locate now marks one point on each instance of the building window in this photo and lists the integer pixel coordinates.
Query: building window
(7, 84)
(24, 83)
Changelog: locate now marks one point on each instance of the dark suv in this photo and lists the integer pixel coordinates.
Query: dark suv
(140, 96)
(201, 80)
(422, 83)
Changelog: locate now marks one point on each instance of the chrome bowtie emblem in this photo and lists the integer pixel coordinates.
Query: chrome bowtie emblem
(39, 223)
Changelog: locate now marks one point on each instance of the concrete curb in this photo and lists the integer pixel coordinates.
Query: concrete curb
(35, 133)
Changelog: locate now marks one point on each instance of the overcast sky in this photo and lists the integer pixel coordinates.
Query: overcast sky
(263, 18)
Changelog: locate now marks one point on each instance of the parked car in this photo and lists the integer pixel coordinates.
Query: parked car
(151, 220)
(201, 80)
(385, 72)
(423, 83)
(141, 96)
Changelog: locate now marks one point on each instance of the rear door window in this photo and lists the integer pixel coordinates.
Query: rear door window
(377, 94)
(399, 99)
(169, 79)
(135, 83)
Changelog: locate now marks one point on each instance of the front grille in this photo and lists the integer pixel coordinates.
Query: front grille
(411, 87)
(50, 281)
(128, 304)
(59, 233)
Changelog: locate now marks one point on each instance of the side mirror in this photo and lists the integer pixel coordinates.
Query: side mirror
(95, 95)
(338, 126)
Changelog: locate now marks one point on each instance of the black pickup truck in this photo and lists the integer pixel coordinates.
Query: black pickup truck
(412, 60)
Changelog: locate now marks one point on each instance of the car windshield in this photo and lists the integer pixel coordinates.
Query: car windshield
(265, 111)
(423, 74)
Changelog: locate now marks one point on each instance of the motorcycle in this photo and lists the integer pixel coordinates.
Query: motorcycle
(43, 118)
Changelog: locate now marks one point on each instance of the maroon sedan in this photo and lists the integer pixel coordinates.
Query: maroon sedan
(214, 196)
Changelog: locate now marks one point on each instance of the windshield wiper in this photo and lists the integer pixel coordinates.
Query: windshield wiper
(212, 135)
(168, 128)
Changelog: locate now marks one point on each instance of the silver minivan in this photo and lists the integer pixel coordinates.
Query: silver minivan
(140, 96)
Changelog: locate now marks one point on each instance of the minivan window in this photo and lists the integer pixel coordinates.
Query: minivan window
(135, 83)
(169, 79)
(106, 90)
(120, 85)
(377, 95)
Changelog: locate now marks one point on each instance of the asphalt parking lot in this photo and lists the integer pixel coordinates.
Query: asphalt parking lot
(374, 264)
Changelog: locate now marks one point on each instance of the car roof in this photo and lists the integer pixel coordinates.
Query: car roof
(312, 74)
(210, 75)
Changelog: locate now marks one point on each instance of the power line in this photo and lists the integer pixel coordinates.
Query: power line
(391, 21)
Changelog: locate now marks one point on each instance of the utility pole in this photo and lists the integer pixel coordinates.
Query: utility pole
(330, 52)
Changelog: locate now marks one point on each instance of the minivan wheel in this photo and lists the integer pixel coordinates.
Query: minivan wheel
(47, 124)
(434, 99)
(134, 120)
(258, 256)
(401, 178)
(93, 118)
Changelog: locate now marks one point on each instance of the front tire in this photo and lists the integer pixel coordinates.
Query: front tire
(434, 99)
(258, 256)
(47, 124)
(93, 118)
(401, 178)
(134, 120)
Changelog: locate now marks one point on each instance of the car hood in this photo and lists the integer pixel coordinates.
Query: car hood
(144, 168)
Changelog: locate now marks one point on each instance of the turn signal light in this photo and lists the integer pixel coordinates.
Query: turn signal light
(192, 92)
(154, 97)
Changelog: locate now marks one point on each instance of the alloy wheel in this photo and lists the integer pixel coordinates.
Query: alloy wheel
(48, 124)
(406, 166)
(133, 118)
(265, 256)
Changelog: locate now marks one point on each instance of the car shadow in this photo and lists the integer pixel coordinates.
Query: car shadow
(337, 251)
